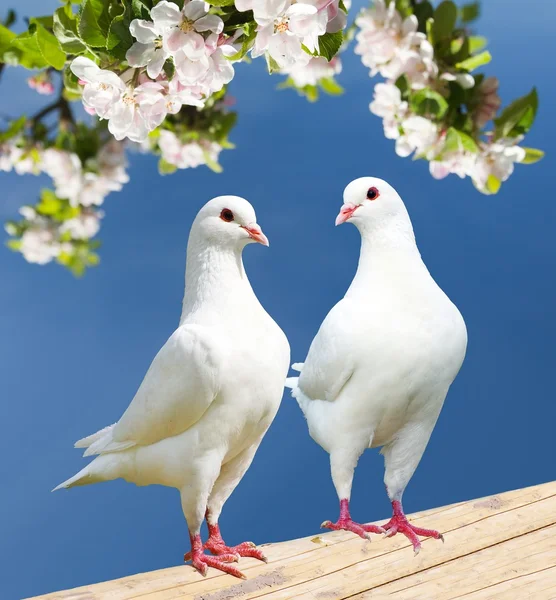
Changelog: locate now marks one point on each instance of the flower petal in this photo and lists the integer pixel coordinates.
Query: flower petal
(140, 54)
(142, 31)
(194, 10)
(166, 14)
(210, 23)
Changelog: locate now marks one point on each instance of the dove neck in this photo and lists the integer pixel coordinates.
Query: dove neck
(388, 249)
(214, 279)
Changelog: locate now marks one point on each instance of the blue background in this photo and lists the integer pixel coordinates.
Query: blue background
(74, 351)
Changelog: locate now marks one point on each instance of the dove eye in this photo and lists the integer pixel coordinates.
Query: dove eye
(227, 215)
(373, 193)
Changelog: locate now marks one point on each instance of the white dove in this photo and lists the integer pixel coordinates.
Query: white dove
(381, 364)
(211, 392)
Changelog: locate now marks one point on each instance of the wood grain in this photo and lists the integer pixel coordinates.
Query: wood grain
(498, 548)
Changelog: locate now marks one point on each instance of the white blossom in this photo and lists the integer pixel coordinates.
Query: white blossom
(102, 89)
(188, 154)
(39, 244)
(316, 69)
(149, 49)
(496, 159)
(419, 135)
(388, 104)
(83, 227)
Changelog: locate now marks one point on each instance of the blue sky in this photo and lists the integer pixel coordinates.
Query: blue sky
(74, 351)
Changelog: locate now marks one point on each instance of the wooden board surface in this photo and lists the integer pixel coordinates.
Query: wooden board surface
(498, 548)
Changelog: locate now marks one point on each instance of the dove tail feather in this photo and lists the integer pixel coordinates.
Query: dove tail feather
(103, 468)
(91, 439)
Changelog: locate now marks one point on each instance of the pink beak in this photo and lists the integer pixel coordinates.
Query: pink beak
(256, 233)
(346, 213)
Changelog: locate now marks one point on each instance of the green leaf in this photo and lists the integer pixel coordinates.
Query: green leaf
(470, 12)
(169, 69)
(221, 2)
(6, 37)
(92, 26)
(329, 44)
(166, 168)
(445, 17)
(331, 86)
(456, 141)
(29, 55)
(476, 61)
(476, 43)
(65, 30)
(250, 32)
(120, 39)
(10, 18)
(517, 118)
(493, 184)
(141, 9)
(50, 48)
(532, 155)
(50, 204)
(423, 11)
(14, 245)
(71, 82)
(212, 164)
(272, 65)
(15, 127)
(403, 85)
(427, 102)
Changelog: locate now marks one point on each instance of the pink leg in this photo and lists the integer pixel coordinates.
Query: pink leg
(201, 561)
(399, 524)
(345, 522)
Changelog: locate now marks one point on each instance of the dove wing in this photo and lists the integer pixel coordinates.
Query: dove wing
(329, 364)
(180, 385)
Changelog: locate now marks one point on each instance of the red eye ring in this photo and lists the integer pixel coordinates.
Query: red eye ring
(227, 215)
(373, 193)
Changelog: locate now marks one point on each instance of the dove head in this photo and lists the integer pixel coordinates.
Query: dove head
(228, 221)
(370, 204)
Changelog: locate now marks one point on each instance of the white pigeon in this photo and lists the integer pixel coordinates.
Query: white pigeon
(381, 364)
(211, 392)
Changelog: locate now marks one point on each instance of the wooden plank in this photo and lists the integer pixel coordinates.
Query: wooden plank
(515, 558)
(133, 586)
(501, 531)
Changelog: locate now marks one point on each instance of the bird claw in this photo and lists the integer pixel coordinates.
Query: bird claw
(400, 524)
(362, 530)
(202, 561)
(245, 549)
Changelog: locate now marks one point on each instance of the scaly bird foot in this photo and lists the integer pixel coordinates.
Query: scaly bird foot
(361, 529)
(201, 561)
(345, 522)
(218, 547)
(399, 524)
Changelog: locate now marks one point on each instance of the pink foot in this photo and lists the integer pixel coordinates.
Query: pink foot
(399, 524)
(215, 544)
(201, 561)
(345, 522)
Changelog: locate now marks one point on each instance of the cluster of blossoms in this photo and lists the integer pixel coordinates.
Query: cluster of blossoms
(43, 239)
(138, 100)
(64, 221)
(41, 83)
(188, 154)
(86, 185)
(315, 71)
(286, 27)
(393, 47)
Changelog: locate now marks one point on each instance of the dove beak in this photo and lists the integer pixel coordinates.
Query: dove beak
(346, 212)
(256, 233)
